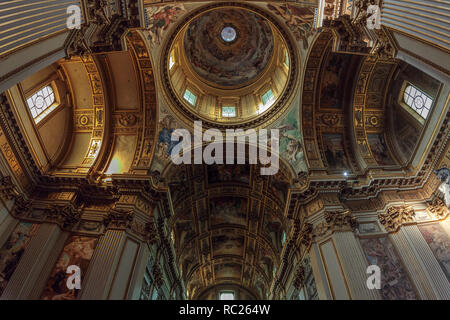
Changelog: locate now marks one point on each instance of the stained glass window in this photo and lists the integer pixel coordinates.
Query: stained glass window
(41, 103)
(417, 100)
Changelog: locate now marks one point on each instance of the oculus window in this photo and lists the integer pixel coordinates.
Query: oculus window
(417, 100)
(228, 34)
(190, 97)
(41, 103)
(229, 111)
(226, 295)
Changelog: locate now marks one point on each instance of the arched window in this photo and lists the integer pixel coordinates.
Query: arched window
(417, 100)
(41, 103)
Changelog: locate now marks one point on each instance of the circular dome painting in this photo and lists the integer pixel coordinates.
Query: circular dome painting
(230, 47)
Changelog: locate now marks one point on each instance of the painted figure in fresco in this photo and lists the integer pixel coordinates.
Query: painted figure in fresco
(228, 210)
(223, 173)
(332, 85)
(379, 149)
(234, 63)
(394, 283)
(335, 157)
(439, 243)
(160, 19)
(291, 148)
(298, 19)
(12, 251)
(224, 243)
(78, 251)
(165, 143)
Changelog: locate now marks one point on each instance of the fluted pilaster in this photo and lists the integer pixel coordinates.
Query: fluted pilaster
(428, 261)
(412, 265)
(355, 265)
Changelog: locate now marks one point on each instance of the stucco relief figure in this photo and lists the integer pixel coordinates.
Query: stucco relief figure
(443, 175)
(160, 18)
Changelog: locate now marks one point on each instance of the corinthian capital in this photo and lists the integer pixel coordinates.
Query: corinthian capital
(119, 218)
(395, 217)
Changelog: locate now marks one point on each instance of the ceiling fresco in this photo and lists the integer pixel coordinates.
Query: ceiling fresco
(159, 20)
(228, 224)
(229, 63)
(300, 20)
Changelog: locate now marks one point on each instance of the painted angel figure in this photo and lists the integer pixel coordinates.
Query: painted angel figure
(160, 19)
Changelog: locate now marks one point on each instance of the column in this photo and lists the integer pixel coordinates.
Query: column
(33, 261)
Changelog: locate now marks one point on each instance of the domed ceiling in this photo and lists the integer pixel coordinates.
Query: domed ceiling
(230, 47)
(226, 57)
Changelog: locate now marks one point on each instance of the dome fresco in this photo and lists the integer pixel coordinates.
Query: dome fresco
(230, 47)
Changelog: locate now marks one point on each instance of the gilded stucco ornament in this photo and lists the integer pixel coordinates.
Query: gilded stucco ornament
(335, 221)
(8, 190)
(299, 278)
(119, 218)
(395, 217)
(438, 209)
